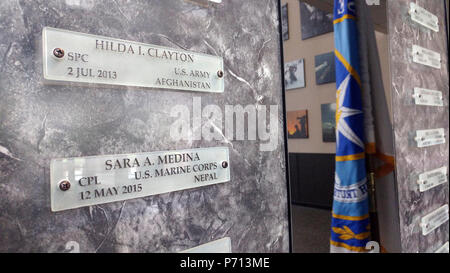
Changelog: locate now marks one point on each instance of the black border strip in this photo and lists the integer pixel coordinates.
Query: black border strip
(286, 154)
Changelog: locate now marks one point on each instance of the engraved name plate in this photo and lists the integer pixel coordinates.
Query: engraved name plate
(204, 3)
(424, 17)
(218, 246)
(431, 179)
(443, 249)
(84, 58)
(426, 57)
(426, 138)
(108, 178)
(428, 97)
(434, 220)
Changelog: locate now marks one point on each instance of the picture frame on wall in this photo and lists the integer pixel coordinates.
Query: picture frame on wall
(285, 22)
(328, 122)
(325, 68)
(297, 124)
(294, 74)
(314, 22)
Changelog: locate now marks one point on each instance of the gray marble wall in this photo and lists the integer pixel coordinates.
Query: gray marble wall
(39, 122)
(408, 118)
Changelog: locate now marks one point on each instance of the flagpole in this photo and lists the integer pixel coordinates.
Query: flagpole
(374, 225)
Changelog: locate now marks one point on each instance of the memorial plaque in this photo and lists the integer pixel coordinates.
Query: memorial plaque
(218, 246)
(443, 249)
(426, 57)
(84, 58)
(424, 17)
(204, 3)
(92, 180)
(426, 138)
(428, 97)
(434, 220)
(431, 179)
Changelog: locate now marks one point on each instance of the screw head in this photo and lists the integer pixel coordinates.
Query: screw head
(220, 73)
(58, 52)
(224, 164)
(64, 185)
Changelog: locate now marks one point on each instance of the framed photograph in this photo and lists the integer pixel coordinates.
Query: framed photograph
(314, 21)
(285, 22)
(294, 74)
(297, 124)
(329, 122)
(325, 70)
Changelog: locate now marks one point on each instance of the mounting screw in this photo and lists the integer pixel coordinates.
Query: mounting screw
(64, 185)
(220, 73)
(58, 52)
(224, 164)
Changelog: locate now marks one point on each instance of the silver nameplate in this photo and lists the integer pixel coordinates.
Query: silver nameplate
(426, 57)
(424, 17)
(86, 181)
(443, 249)
(434, 220)
(204, 2)
(426, 138)
(431, 179)
(77, 57)
(428, 97)
(218, 246)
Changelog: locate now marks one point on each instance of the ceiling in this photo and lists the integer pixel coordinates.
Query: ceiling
(378, 12)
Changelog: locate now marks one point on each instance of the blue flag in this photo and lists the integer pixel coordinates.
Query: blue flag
(350, 227)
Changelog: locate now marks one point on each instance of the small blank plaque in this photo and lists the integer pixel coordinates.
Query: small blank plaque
(443, 249)
(428, 97)
(424, 17)
(426, 57)
(434, 220)
(218, 246)
(426, 138)
(431, 179)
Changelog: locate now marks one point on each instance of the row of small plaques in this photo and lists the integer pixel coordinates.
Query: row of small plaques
(427, 138)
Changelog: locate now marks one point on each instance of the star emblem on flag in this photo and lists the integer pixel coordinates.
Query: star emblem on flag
(343, 112)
